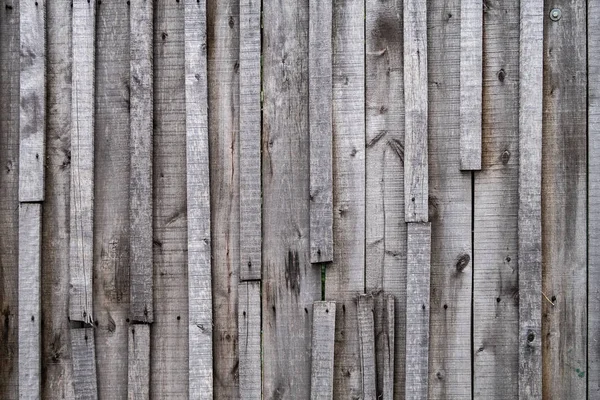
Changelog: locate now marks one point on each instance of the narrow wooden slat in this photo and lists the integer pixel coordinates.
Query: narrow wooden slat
(417, 310)
(84, 364)
(138, 377)
(250, 137)
(140, 186)
(416, 186)
(323, 339)
(30, 241)
(198, 204)
(366, 339)
(386, 348)
(82, 161)
(249, 340)
(471, 85)
(32, 154)
(320, 125)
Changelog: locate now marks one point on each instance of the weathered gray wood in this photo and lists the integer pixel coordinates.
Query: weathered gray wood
(138, 377)
(564, 208)
(30, 241)
(84, 363)
(387, 347)
(471, 85)
(366, 339)
(249, 320)
(320, 125)
(495, 280)
(32, 154)
(250, 140)
(82, 162)
(418, 263)
(416, 187)
(323, 340)
(530, 211)
(198, 203)
(140, 183)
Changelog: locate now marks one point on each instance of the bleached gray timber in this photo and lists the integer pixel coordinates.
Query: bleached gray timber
(415, 105)
(82, 162)
(249, 340)
(418, 262)
(140, 184)
(200, 356)
(495, 242)
(138, 376)
(30, 321)
(323, 340)
(366, 333)
(387, 347)
(320, 125)
(471, 85)
(564, 204)
(530, 206)
(250, 140)
(84, 363)
(32, 154)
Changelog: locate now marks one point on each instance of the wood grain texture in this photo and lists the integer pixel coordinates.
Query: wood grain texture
(471, 71)
(249, 334)
(30, 315)
(82, 161)
(530, 212)
(416, 181)
(322, 348)
(32, 115)
(84, 364)
(386, 349)
(140, 181)
(366, 339)
(138, 360)
(495, 280)
(290, 283)
(320, 126)
(417, 310)
(223, 97)
(198, 204)
(250, 140)
(564, 203)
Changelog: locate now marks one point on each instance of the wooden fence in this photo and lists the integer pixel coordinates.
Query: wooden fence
(293, 199)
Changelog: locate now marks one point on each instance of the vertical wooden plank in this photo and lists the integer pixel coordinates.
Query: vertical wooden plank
(140, 182)
(471, 65)
(82, 161)
(386, 348)
(323, 340)
(30, 240)
(564, 202)
(249, 340)
(84, 364)
(32, 124)
(198, 203)
(223, 97)
(530, 176)
(417, 310)
(416, 187)
(366, 339)
(250, 140)
(138, 376)
(495, 280)
(320, 126)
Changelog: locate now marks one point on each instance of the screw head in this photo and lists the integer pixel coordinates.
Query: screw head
(555, 14)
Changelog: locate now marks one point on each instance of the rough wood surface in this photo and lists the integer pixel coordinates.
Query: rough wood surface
(140, 183)
(138, 360)
(30, 316)
(416, 111)
(495, 280)
(417, 310)
(198, 204)
(530, 212)
(250, 140)
(323, 340)
(564, 203)
(84, 364)
(366, 339)
(471, 65)
(32, 154)
(386, 349)
(82, 161)
(320, 126)
(249, 334)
